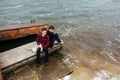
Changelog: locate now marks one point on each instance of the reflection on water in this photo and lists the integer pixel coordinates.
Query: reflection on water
(89, 28)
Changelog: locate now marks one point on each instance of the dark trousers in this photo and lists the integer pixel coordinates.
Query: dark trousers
(39, 57)
(53, 40)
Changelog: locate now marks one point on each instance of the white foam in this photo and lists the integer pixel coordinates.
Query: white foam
(111, 56)
(68, 62)
(117, 39)
(18, 6)
(43, 15)
(102, 75)
(76, 61)
(65, 30)
(115, 78)
(109, 43)
(109, 53)
(66, 77)
(13, 7)
(105, 75)
(71, 55)
(119, 35)
(93, 61)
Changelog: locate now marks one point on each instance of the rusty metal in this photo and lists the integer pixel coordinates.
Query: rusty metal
(20, 30)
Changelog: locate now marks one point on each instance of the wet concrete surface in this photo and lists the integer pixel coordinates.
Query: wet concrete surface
(56, 69)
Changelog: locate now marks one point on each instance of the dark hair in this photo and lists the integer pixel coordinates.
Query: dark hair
(44, 29)
(51, 27)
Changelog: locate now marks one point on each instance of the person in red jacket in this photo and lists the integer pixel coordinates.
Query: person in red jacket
(43, 43)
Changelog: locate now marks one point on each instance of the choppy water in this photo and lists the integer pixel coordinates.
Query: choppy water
(89, 25)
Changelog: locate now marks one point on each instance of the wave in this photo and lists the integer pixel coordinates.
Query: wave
(105, 75)
(11, 7)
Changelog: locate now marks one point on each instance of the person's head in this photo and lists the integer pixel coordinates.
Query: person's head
(44, 32)
(51, 28)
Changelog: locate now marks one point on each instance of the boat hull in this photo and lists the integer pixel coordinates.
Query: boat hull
(20, 30)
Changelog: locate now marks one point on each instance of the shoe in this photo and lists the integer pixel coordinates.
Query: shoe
(61, 42)
(46, 63)
(38, 65)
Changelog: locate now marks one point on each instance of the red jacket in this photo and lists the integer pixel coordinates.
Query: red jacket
(42, 40)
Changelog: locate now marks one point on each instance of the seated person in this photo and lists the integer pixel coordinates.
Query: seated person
(53, 36)
(43, 43)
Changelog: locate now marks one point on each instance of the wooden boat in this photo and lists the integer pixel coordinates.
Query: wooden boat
(20, 30)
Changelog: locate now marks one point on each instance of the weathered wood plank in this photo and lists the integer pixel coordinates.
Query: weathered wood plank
(20, 30)
(20, 55)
